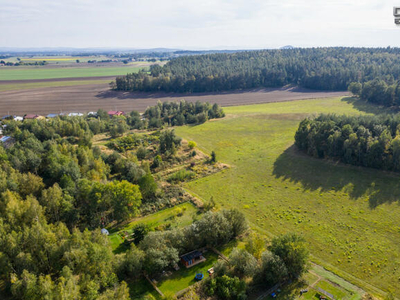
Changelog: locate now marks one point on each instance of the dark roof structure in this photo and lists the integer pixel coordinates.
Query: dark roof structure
(191, 255)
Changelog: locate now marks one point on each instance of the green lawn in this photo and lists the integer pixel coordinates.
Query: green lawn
(183, 278)
(169, 215)
(348, 215)
(24, 73)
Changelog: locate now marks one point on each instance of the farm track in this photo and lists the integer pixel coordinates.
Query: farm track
(90, 97)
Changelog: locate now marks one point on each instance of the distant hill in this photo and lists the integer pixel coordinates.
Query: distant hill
(287, 47)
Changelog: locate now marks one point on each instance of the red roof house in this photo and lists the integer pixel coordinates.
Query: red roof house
(31, 116)
(113, 113)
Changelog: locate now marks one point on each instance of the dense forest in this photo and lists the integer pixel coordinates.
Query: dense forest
(315, 68)
(369, 141)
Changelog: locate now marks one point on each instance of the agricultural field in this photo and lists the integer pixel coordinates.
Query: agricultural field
(32, 73)
(89, 97)
(36, 85)
(55, 59)
(348, 215)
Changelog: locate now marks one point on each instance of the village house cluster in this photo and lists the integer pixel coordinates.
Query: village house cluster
(7, 141)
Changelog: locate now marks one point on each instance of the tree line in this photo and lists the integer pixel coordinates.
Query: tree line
(316, 68)
(369, 141)
(378, 91)
(178, 114)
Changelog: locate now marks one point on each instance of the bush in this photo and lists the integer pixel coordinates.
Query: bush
(227, 287)
(192, 144)
(141, 153)
(213, 157)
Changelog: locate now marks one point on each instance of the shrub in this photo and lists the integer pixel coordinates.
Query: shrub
(192, 144)
(141, 153)
(213, 157)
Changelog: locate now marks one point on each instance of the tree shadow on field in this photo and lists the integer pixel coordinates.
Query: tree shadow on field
(328, 176)
(366, 107)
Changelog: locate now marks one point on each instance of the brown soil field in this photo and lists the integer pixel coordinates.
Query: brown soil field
(86, 98)
(3, 82)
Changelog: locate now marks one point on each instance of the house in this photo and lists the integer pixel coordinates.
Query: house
(30, 117)
(75, 115)
(50, 116)
(18, 118)
(92, 114)
(192, 258)
(7, 117)
(113, 113)
(6, 141)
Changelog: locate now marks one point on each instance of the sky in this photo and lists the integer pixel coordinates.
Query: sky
(198, 24)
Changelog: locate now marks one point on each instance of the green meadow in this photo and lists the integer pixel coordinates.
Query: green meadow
(36, 85)
(39, 72)
(348, 215)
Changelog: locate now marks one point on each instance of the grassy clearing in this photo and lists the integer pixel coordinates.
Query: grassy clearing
(183, 278)
(36, 85)
(348, 215)
(25, 73)
(167, 216)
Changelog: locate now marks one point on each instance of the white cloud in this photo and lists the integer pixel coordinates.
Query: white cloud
(197, 23)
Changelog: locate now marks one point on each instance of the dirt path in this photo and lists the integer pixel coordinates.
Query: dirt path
(84, 98)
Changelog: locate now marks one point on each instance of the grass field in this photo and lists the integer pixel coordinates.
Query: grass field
(25, 73)
(169, 215)
(56, 59)
(36, 85)
(348, 215)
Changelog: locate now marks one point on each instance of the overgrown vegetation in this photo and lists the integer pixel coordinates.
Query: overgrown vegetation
(285, 258)
(57, 190)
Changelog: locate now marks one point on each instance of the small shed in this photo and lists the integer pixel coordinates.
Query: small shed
(192, 258)
(105, 231)
(7, 141)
